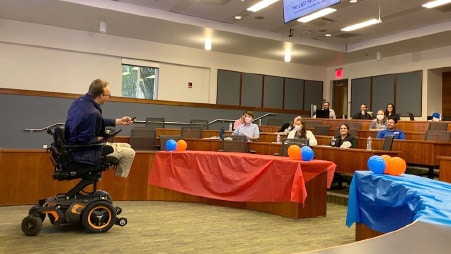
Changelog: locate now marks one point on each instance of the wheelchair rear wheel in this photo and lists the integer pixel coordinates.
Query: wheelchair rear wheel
(99, 216)
(31, 225)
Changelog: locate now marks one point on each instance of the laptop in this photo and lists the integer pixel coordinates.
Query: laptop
(320, 113)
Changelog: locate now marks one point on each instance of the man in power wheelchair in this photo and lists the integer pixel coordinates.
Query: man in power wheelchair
(93, 209)
(80, 150)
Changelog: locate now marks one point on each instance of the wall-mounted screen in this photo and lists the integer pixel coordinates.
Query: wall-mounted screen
(294, 9)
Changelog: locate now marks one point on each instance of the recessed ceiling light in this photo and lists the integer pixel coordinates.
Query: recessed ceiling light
(328, 35)
(238, 17)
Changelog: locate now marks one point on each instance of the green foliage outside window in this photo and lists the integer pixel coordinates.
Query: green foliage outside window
(139, 81)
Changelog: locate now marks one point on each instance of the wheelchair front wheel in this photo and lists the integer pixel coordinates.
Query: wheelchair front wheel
(35, 210)
(31, 225)
(98, 216)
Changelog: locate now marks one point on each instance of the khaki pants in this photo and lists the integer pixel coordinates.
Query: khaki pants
(125, 154)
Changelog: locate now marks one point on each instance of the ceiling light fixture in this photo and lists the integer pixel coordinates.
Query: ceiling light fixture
(433, 4)
(353, 1)
(365, 23)
(102, 27)
(287, 56)
(361, 25)
(238, 17)
(261, 5)
(207, 44)
(317, 14)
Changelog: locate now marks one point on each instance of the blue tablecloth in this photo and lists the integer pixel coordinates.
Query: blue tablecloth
(386, 203)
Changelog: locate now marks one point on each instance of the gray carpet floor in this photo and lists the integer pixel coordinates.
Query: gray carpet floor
(173, 227)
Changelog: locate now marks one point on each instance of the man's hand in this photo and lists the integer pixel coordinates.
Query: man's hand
(126, 120)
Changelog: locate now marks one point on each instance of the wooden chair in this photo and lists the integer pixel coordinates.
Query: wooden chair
(143, 138)
(165, 138)
(191, 132)
(198, 122)
(388, 143)
(234, 143)
(437, 136)
(292, 141)
(322, 130)
(438, 126)
(155, 122)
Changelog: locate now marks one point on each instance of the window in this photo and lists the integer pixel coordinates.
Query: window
(139, 81)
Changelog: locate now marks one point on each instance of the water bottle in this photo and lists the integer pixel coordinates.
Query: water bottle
(278, 138)
(221, 134)
(332, 142)
(230, 126)
(260, 122)
(369, 142)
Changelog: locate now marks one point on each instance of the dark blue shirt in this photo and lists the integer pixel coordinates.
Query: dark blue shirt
(84, 124)
(399, 134)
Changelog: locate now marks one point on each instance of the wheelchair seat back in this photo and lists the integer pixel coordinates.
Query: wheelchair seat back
(66, 168)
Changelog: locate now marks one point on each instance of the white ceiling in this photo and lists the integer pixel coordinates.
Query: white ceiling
(406, 26)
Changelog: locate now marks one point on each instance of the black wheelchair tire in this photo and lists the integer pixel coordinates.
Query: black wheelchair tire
(31, 225)
(98, 216)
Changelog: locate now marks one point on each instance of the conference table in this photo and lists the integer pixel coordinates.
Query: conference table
(280, 185)
(347, 159)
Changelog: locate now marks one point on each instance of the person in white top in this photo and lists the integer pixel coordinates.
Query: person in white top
(326, 106)
(299, 131)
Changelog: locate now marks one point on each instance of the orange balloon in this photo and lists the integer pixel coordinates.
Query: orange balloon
(181, 145)
(397, 166)
(294, 152)
(387, 159)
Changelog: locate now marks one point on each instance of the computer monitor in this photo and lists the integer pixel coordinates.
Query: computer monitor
(321, 113)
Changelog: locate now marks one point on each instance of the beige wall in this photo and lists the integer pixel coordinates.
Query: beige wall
(49, 58)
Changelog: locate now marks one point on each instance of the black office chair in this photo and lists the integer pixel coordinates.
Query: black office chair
(197, 122)
(388, 143)
(234, 143)
(438, 126)
(93, 209)
(155, 122)
(191, 132)
(286, 143)
(322, 130)
(437, 136)
(143, 138)
(164, 138)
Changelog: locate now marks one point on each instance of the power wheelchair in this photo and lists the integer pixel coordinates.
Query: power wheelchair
(93, 209)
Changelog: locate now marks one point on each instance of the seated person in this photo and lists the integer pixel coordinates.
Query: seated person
(363, 114)
(391, 130)
(300, 132)
(380, 123)
(345, 139)
(249, 129)
(326, 106)
(287, 127)
(435, 117)
(85, 125)
(239, 121)
(390, 111)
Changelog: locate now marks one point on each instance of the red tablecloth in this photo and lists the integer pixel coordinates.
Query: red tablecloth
(240, 177)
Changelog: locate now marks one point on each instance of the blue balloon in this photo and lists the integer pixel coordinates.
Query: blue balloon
(171, 145)
(307, 153)
(376, 164)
